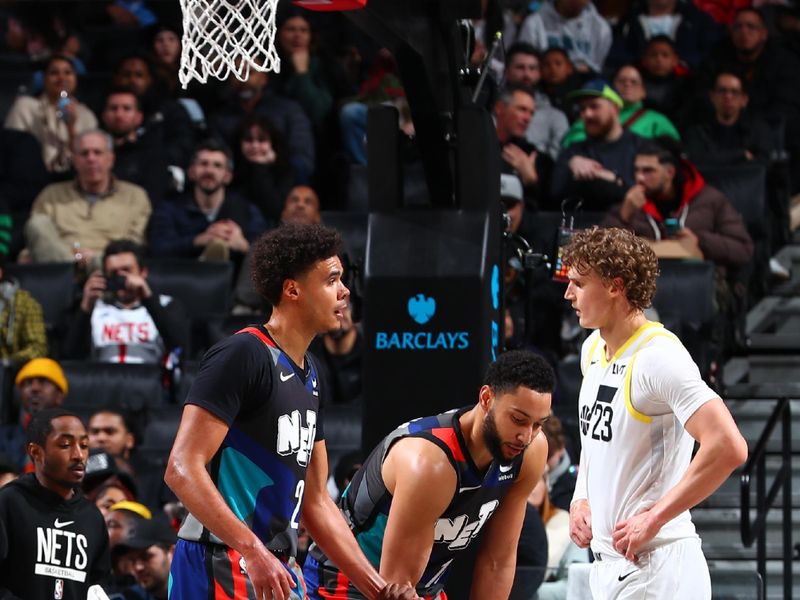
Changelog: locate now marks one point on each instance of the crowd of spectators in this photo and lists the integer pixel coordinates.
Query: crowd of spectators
(107, 164)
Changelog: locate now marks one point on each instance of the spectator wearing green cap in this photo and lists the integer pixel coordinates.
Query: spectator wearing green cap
(633, 116)
(599, 169)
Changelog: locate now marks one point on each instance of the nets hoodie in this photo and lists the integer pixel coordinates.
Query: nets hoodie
(50, 548)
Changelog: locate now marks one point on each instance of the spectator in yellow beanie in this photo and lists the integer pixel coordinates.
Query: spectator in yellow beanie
(41, 384)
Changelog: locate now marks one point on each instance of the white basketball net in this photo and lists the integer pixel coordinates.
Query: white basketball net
(221, 37)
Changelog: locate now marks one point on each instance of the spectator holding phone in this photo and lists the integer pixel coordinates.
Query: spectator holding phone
(120, 319)
(56, 117)
(671, 205)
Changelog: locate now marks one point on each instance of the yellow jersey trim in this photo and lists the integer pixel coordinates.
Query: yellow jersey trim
(640, 416)
(636, 334)
(590, 354)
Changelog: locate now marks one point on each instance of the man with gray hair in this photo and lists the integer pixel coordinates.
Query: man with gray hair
(75, 220)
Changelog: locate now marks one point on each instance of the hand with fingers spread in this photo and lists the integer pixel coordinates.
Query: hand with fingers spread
(580, 523)
(269, 577)
(631, 535)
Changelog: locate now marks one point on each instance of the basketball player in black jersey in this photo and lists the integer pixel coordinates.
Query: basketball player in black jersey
(434, 484)
(249, 458)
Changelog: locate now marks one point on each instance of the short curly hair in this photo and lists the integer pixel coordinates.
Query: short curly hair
(616, 253)
(287, 253)
(520, 368)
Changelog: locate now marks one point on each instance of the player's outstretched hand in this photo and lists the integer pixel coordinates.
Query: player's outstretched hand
(580, 523)
(396, 591)
(267, 574)
(631, 535)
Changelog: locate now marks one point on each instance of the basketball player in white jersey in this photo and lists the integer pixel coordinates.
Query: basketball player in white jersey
(642, 406)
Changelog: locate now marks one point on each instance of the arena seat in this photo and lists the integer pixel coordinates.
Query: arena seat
(204, 288)
(53, 286)
(686, 306)
(135, 388)
(746, 188)
(162, 425)
(343, 423)
(12, 84)
(216, 328)
(184, 380)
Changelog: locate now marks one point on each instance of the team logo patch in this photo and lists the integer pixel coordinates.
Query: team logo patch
(586, 414)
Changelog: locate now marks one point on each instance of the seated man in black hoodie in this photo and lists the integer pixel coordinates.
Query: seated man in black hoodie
(733, 135)
(53, 542)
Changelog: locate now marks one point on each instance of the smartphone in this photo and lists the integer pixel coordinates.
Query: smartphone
(671, 226)
(62, 105)
(115, 283)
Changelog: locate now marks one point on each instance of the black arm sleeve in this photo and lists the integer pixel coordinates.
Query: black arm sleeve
(170, 320)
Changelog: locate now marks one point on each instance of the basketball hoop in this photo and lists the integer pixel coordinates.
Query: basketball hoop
(224, 37)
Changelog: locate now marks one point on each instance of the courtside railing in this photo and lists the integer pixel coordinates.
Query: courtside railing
(755, 529)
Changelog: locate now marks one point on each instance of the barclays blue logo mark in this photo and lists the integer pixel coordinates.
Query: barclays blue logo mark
(495, 287)
(421, 308)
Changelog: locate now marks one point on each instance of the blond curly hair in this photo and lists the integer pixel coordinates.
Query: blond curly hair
(616, 253)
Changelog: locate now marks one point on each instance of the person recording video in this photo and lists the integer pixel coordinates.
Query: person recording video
(120, 319)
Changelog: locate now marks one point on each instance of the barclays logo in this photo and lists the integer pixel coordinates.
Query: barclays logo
(421, 309)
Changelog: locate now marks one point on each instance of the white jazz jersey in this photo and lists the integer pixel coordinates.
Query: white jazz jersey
(632, 410)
